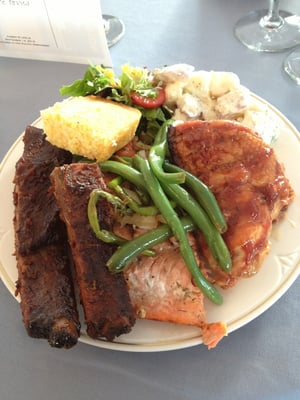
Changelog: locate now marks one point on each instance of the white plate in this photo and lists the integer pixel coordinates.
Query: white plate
(243, 303)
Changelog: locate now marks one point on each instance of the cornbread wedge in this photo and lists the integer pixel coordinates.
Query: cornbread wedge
(89, 126)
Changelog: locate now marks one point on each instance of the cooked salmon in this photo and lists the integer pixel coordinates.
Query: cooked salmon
(161, 288)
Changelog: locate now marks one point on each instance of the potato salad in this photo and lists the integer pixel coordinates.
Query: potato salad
(210, 95)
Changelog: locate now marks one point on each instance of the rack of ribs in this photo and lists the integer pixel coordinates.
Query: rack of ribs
(104, 296)
(45, 282)
(248, 182)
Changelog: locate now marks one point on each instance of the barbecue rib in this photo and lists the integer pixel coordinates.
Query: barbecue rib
(37, 217)
(248, 182)
(107, 307)
(47, 297)
(44, 276)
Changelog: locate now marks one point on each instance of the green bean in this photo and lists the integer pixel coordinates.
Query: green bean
(122, 159)
(162, 203)
(115, 182)
(157, 156)
(133, 205)
(149, 210)
(125, 254)
(102, 234)
(204, 196)
(213, 237)
(128, 173)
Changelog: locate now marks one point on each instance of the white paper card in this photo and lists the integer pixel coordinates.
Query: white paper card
(54, 30)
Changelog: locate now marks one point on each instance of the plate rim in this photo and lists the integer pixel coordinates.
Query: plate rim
(174, 344)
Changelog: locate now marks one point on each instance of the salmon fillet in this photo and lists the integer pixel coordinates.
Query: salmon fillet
(161, 288)
(248, 182)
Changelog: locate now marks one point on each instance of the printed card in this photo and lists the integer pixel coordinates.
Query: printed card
(53, 30)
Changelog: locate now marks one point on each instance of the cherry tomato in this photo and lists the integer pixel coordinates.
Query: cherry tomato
(149, 102)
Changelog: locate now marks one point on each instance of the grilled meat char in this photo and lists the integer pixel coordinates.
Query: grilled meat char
(249, 185)
(44, 269)
(36, 220)
(105, 299)
(47, 296)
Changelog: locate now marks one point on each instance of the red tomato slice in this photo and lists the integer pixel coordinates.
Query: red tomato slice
(149, 102)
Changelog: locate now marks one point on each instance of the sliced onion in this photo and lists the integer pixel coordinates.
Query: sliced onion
(140, 221)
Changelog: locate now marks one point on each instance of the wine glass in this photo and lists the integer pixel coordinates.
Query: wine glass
(291, 65)
(269, 30)
(114, 29)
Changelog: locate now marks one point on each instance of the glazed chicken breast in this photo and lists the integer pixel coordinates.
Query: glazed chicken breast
(248, 182)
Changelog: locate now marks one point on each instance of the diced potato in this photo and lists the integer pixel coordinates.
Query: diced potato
(173, 73)
(173, 92)
(223, 82)
(190, 105)
(233, 103)
(199, 83)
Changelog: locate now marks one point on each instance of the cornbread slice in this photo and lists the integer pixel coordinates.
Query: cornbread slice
(89, 126)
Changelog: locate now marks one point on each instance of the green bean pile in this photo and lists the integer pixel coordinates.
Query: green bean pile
(160, 190)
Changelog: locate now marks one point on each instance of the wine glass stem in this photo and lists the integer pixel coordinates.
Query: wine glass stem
(272, 20)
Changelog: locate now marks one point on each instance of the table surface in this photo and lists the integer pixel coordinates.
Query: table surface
(259, 361)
